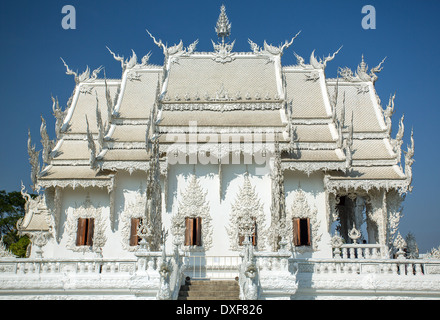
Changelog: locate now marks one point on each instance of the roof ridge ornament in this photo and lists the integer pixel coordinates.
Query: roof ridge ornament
(271, 49)
(223, 27)
(175, 50)
(222, 51)
(322, 63)
(361, 74)
(85, 76)
(129, 63)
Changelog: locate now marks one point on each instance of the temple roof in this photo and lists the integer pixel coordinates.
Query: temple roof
(336, 125)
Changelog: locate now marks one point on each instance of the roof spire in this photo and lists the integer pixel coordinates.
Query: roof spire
(363, 66)
(223, 27)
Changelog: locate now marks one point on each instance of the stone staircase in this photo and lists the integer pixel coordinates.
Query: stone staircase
(209, 290)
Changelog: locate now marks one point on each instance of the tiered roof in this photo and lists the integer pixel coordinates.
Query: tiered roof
(333, 125)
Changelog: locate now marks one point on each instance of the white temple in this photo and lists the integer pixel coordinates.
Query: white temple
(220, 165)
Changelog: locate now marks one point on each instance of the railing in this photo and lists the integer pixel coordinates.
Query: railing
(220, 266)
(273, 261)
(212, 267)
(54, 266)
(358, 251)
(364, 266)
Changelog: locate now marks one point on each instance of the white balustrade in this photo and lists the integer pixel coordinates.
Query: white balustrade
(218, 267)
(358, 251)
(365, 266)
(354, 260)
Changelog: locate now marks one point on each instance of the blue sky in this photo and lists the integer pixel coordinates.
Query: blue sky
(407, 33)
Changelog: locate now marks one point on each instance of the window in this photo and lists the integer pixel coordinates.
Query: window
(84, 236)
(193, 231)
(301, 231)
(253, 238)
(134, 238)
(342, 201)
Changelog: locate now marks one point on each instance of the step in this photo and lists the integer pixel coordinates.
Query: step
(209, 290)
(209, 298)
(214, 286)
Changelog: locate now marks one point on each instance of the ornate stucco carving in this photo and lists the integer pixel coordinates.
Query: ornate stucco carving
(322, 63)
(310, 167)
(153, 208)
(301, 209)
(246, 209)
(174, 52)
(91, 146)
(193, 204)
(45, 142)
(271, 50)
(278, 206)
(4, 252)
(388, 113)
(75, 183)
(34, 161)
(59, 115)
(394, 211)
(223, 106)
(355, 185)
(332, 210)
(86, 210)
(361, 74)
(132, 209)
(222, 51)
(83, 77)
(315, 64)
(409, 154)
(377, 213)
(125, 64)
(398, 141)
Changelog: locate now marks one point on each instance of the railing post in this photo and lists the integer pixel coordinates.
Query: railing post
(419, 269)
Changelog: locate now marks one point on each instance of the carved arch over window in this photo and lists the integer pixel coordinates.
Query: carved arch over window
(86, 211)
(193, 205)
(299, 219)
(133, 210)
(247, 208)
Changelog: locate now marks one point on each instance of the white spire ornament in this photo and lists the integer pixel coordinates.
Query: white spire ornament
(222, 51)
(223, 27)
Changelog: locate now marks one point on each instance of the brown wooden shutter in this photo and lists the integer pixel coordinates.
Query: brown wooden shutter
(90, 231)
(254, 235)
(296, 232)
(198, 229)
(188, 231)
(240, 240)
(133, 233)
(81, 232)
(308, 232)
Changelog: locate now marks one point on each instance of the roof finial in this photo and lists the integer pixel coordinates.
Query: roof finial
(363, 65)
(223, 27)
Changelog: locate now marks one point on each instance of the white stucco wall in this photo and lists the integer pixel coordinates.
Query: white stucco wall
(128, 185)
